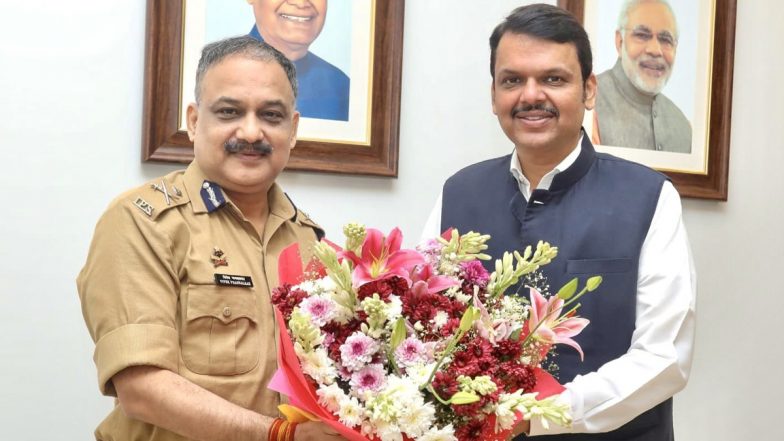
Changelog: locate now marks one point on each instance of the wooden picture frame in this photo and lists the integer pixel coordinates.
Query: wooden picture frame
(712, 184)
(163, 141)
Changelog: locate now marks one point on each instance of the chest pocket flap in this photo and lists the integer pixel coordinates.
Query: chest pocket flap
(220, 333)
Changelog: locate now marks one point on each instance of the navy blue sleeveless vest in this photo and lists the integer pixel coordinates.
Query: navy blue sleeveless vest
(597, 212)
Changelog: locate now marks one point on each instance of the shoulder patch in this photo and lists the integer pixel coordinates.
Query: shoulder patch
(155, 197)
(144, 206)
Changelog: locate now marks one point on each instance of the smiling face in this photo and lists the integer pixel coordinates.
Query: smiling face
(647, 46)
(539, 95)
(243, 100)
(290, 26)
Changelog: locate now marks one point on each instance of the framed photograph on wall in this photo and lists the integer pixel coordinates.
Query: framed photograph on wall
(348, 58)
(664, 94)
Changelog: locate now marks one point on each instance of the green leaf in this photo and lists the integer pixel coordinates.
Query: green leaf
(515, 336)
(567, 291)
(593, 283)
(469, 316)
(464, 398)
(398, 334)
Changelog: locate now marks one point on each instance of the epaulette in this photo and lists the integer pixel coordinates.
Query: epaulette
(159, 195)
(303, 218)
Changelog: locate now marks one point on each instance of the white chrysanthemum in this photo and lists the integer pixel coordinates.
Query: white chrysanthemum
(398, 394)
(387, 431)
(463, 298)
(306, 285)
(440, 319)
(394, 308)
(404, 389)
(317, 365)
(390, 433)
(342, 314)
(446, 433)
(325, 286)
(330, 397)
(416, 418)
(350, 412)
(419, 373)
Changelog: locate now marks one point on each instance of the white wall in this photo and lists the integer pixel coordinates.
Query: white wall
(70, 123)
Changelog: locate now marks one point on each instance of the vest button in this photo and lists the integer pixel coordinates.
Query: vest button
(227, 312)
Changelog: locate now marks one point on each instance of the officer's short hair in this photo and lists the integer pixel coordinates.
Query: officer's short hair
(245, 46)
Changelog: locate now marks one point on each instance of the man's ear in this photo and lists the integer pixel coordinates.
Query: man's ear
(618, 41)
(191, 117)
(589, 92)
(294, 128)
(492, 96)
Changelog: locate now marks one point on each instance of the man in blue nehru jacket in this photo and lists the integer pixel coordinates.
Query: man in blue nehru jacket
(607, 216)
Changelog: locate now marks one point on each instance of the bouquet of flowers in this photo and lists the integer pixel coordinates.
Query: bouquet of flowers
(387, 343)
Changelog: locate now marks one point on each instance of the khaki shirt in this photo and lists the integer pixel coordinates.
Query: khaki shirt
(150, 293)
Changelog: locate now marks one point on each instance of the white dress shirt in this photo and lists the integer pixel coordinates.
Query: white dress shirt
(658, 362)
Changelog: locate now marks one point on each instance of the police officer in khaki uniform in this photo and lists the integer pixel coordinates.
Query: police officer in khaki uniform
(176, 288)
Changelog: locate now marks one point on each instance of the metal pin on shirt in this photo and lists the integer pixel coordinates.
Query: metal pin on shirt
(162, 188)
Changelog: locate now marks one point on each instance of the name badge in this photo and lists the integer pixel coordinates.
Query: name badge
(232, 280)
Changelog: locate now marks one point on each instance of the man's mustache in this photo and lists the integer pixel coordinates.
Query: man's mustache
(541, 107)
(653, 63)
(236, 146)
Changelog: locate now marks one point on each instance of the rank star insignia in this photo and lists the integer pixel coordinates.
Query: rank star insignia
(218, 258)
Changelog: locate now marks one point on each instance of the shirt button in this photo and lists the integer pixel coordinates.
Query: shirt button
(658, 147)
(654, 114)
(227, 312)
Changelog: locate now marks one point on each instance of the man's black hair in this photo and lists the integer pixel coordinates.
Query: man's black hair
(549, 23)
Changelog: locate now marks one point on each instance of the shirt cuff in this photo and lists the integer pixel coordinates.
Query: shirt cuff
(134, 345)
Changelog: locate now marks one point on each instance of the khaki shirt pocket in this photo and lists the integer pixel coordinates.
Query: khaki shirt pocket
(220, 333)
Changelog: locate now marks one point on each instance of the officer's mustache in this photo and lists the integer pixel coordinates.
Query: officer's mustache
(236, 146)
(529, 107)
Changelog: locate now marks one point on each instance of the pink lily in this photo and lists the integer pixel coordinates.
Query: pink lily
(553, 328)
(435, 283)
(489, 329)
(382, 257)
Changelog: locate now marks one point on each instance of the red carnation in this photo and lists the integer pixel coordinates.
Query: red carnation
(384, 288)
(445, 384)
(508, 349)
(517, 376)
(473, 429)
(286, 299)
